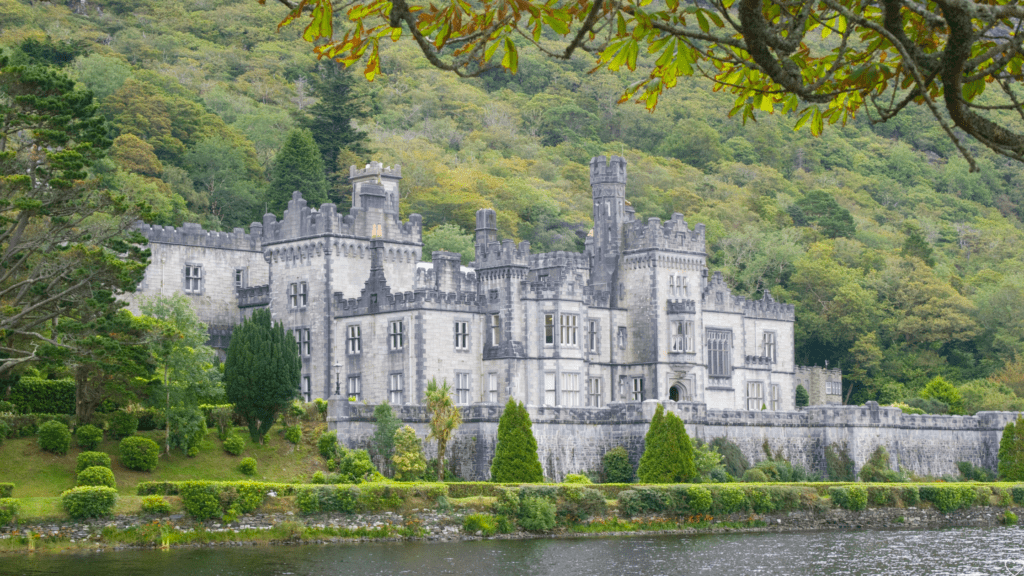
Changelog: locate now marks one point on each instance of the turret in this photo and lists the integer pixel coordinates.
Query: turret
(608, 185)
(384, 183)
(486, 230)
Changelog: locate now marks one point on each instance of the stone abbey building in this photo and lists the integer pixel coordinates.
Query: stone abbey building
(635, 317)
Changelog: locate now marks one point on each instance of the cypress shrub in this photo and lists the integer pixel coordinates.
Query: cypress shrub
(138, 453)
(515, 456)
(55, 437)
(88, 436)
(407, 459)
(89, 502)
(90, 459)
(96, 476)
(1011, 452)
(617, 469)
(802, 397)
(668, 453)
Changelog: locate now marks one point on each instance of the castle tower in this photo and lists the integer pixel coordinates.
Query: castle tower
(486, 229)
(375, 186)
(608, 185)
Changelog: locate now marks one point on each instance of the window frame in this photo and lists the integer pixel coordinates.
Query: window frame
(570, 396)
(549, 329)
(462, 388)
(396, 388)
(594, 399)
(774, 397)
(303, 294)
(492, 387)
(719, 348)
(757, 387)
(240, 278)
(495, 329)
(306, 387)
(550, 389)
(461, 335)
(593, 344)
(194, 278)
(568, 330)
(677, 335)
(302, 338)
(354, 340)
(354, 386)
(396, 338)
(636, 392)
(770, 345)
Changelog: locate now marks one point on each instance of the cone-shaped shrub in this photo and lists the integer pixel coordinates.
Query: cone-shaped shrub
(515, 457)
(668, 453)
(1011, 452)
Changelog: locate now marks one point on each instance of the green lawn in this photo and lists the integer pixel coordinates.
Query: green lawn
(36, 473)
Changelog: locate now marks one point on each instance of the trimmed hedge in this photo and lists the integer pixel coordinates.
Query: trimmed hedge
(88, 436)
(849, 497)
(6, 489)
(206, 500)
(90, 459)
(96, 476)
(33, 395)
(155, 505)
(89, 502)
(138, 453)
(55, 437)
(8, 510)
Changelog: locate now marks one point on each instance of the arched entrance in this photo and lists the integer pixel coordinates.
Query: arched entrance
(678, 393)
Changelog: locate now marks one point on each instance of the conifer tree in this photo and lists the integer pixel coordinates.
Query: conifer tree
(330, 119)
(297, 166)
(802, 397)
(385, 423)
(1011, 452)
(261, 374)
(515, 457)
(668, 453)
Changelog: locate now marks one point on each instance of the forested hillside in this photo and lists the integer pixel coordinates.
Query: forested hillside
(903, 266)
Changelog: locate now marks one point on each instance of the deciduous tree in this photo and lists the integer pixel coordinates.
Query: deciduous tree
(408, 461)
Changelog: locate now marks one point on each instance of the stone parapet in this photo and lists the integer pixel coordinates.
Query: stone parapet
(191, 234)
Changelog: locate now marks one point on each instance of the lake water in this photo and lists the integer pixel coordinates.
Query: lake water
(959, 552)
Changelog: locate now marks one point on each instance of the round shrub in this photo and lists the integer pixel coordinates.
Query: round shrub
(755, 475)
(123, 424)
(247, 466)
(90, 459)
(5, 431)
(293, 434)
(55, 437)
(6, 489)
(576, 479)
(138, 453)
(89, 501)
(155, 504)
(1009, 518)
(537, 514)
(617, 469)
(327, 444)
(8, 510)
(319, 477)
(234, 445)
(698, 500)
(88, 436)
(96, 476)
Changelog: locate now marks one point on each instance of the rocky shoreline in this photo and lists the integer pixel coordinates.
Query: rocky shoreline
(431, 526)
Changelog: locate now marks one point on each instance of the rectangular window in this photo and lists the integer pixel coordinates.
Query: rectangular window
(567, 334)
(592, 336)
(594, 392)
(303, 294)
(305, 388)
(549, 328)
(302, 337)
(688, 339)
(495, 329)
(769, 346)
(462, 388)
(239, 278)
(492, 388)
(293, 295)
(719, 353)
(462, 335)
(638, 390)
(755, 396)
(396, 335)
(395, 391)
(678, 336)
(622, 337)
(773, 398)
(354, 344)
(549, 389)
(835, 388)
(354, 387)
(193, 279)
(570, 389)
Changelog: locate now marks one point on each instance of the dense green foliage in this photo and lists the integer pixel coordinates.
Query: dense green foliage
(89, 502)
(138, 453)
(802, 397)
(96, 476)
(9, 508)
(382, 445)
(408, 461)
(515, 455)
(668, 453)
(6, 489)
(234, 444)
(88, 437)
(733, 459)
(877, 468)
(445, 418)
(34, 395)
(839, 465)
(293, 434)
(1011, 452)
(247, 466)
(123, 424)
(617, 468)
(261, 374)
(536, 514)
(298, 166)
(91, 459)
(327, 445)
(155, 505)
(939, 389)
(55, 437)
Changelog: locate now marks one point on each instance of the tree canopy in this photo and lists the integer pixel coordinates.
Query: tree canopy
(827, 59)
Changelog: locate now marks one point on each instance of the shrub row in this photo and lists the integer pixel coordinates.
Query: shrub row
(8, 510)
(206, 500)
(717, 499)
(89, 501)
(366, 497)
(38, 395)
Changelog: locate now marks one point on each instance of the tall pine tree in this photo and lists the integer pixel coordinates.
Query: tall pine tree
(515, 456)
(297, 166)
(330, 119)
(261, 374)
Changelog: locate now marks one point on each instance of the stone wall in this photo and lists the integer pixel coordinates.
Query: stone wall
(573, 440)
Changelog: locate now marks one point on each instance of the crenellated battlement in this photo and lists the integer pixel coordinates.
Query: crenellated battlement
(301, 221)
(559, 259)
(445, 274)
(504, 253)
(191, 234)
(607, 171)
(414, 300)
(375, 169)
(717, 297)
(672, 235)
